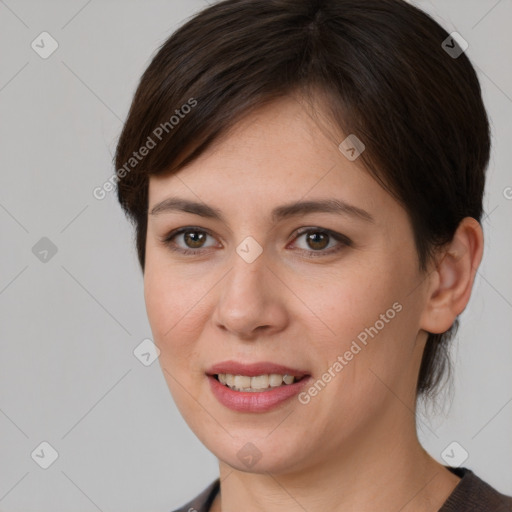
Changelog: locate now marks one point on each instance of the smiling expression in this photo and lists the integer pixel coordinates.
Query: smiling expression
(238, 271)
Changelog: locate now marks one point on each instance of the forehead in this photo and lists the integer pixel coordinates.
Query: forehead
(285, 151)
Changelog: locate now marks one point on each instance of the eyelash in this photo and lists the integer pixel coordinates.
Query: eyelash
(342, 239)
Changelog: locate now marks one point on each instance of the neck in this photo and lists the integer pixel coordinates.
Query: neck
(385, 470)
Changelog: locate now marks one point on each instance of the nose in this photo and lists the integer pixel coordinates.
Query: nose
(251, 302)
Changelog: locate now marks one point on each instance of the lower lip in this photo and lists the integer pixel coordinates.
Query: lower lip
(257, 401)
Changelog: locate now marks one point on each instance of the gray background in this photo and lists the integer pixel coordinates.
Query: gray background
(69, 325)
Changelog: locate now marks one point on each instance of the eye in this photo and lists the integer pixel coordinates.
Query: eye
(318, 239)
(193, 238)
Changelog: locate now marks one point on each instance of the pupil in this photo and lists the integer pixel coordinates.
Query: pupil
(188, 237)
(313, 237)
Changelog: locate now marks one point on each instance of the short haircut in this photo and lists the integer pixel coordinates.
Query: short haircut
(387, 75)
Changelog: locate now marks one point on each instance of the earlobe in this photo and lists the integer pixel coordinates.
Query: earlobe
(451, 281)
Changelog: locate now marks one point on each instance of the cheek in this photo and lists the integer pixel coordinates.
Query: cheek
(353, 299)
(371, 318)
(367, 354)
(172, 307)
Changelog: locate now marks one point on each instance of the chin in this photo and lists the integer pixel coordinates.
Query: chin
(255, 453)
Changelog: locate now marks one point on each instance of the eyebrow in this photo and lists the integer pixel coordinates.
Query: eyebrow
(337, 206)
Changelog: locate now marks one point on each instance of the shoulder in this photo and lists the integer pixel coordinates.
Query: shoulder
(203, 501)
(472, 494)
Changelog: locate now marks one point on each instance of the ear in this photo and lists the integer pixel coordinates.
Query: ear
(451, 280)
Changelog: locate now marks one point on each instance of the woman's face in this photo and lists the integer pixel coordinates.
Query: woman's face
(340, 302)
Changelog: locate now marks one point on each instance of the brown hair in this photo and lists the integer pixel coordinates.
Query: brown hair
(388, 79)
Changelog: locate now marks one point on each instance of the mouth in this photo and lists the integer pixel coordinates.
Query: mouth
(254, 377)
(257, 383)
(255, 387)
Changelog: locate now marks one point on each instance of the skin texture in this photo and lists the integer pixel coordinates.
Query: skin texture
(354, 445)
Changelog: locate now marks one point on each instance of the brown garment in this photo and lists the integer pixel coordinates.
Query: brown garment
(471, 495)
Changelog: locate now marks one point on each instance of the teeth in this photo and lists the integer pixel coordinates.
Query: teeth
(275, 380)
(242, 382)
(258, 383)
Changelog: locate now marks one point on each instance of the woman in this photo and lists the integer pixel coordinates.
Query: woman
(306, 179)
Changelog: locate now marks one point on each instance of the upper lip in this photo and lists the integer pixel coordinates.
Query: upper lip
(254, 369)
